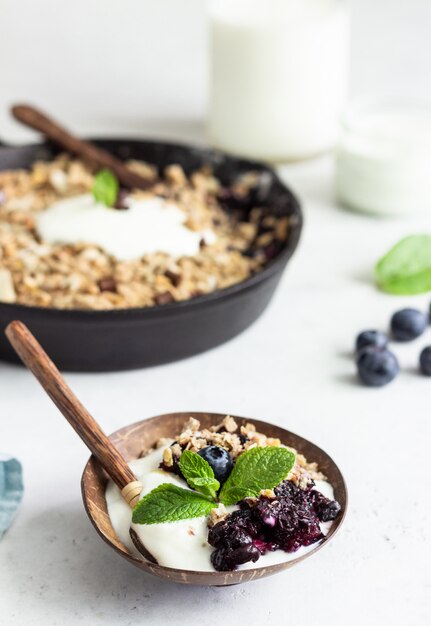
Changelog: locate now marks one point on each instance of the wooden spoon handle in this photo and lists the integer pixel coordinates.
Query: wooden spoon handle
(38, 362)
(100, 158)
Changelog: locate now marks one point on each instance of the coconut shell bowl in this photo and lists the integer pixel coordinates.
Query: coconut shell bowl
(112, 454)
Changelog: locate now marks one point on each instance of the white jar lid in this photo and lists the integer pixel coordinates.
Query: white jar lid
(384, 158)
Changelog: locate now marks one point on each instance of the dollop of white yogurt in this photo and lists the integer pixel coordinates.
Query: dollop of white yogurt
(182, 544)
(149, 225)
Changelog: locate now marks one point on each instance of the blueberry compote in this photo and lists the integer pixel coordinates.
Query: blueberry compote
(287, 522)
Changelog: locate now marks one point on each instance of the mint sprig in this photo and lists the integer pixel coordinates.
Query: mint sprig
(169, 503)
(406, 268)
(105, 187)
(199, 474)
(257, 469)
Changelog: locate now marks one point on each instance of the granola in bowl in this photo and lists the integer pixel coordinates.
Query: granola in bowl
(224, 498)
(236, 237)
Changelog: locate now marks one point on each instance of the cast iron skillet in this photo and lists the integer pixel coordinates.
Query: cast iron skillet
(81, 340)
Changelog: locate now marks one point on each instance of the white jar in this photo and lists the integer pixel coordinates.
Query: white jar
(384, 158)
(279, 76)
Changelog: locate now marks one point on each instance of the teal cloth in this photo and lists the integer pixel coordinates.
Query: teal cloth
(11, 490)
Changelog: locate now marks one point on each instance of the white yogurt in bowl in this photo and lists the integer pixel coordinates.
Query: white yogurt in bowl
(147, 226)
(182, 544)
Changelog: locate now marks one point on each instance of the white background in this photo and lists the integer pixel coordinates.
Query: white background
(139, 67)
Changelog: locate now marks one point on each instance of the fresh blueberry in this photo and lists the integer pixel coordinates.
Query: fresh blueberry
(376, 367)
(220, 461)
(425, 361)
(408, 324)
(371, 338)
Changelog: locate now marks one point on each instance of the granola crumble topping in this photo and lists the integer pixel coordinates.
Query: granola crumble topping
(84, 276)
(236, 441)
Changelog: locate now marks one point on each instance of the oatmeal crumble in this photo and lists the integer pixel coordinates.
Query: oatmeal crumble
(236, 441)
(84, 276)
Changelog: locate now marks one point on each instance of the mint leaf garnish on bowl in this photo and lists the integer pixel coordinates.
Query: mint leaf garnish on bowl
(199, 474)
(257, 469)
(169, 503)
(406, 268)
(105, 187)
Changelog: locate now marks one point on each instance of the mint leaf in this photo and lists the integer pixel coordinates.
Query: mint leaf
(198, 474)
(406, 268)
(169, 503)
(257, 469)
(105, 187)
(206, 486)
(232, 495)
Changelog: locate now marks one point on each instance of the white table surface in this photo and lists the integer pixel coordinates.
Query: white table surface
(293, 367)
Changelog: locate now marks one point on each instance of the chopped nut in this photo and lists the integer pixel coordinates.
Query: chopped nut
(175, 174)
(176, 450)
(167, 457)
(282, 229)
(58, 179)
(143, 169)
(258, 438)
(273, 442)
(192, 424)
(185, 437)
(230, 424)
(197, 443)
(267, 493)
(40, 174)
(7, 289)
(217, 515)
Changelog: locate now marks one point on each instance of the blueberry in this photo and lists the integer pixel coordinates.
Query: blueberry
(408, 324)
(371, 338)
(425, 361)
(376, 367)
(224, 559)
(326, 510)
(221, 561)
(220, 461)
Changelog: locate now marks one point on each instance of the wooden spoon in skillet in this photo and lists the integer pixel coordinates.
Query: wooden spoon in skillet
(32, 117)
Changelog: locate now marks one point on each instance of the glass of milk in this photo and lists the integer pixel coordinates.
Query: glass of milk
(279, 76)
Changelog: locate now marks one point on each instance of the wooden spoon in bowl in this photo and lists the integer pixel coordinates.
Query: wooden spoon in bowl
(40, 365)
(32, 117)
